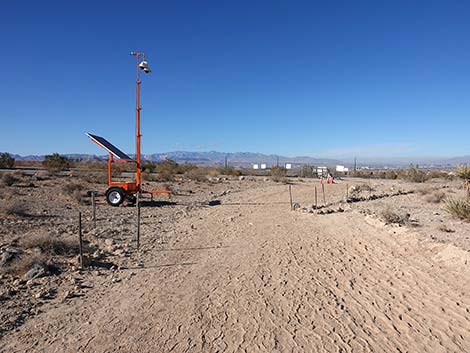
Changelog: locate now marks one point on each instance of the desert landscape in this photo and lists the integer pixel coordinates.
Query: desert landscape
(235, 177)
(229, 264)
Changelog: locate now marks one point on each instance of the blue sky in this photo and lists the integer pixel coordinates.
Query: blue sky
(317, 78)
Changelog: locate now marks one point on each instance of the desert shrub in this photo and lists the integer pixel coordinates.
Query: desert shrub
(148, 167)
(458, 208)
(6, 160)
(356, 190)
(14, 209)
(25, 262)
(436, 197)
(74, 191)
(391, 174)
(415, 175)
(387, 174)
(9, 179)
(50, 244)
(389, 216)
(197, 174)
(212, 172)
(95, 177)
(308, 171)
(278, 174)
(438, 174)
(425, 191)
(55, 163)
(463, 172)
(230, 171)
(362, 174)
(168, 168)
(72, 187)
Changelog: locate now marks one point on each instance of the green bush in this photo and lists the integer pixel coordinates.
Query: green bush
(55, 163)
(6, 160)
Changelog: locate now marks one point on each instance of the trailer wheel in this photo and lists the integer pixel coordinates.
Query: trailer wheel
(115, 196)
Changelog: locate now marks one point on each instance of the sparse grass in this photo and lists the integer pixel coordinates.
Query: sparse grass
(50, 245)
(436, 197)
(229, 171)
(425, 191)
(356, 190)
(94, 177)
(9, 179)
(168, 169)
(75, 191)
(458, 208)
(197, 174)
(415, 175)
(389, 216)
(14, 209)
(278, 174)
(25, 262)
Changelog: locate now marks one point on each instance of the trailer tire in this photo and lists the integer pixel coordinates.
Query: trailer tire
(115, 196)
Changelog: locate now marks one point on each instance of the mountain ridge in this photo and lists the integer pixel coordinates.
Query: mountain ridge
(246, 159)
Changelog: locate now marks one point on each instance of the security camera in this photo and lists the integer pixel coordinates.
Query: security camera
(144, 66)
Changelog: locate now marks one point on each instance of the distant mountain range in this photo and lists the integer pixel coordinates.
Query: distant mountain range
(247, 159)
(213, 158)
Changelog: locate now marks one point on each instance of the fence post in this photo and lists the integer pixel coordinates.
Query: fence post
(290, 195)
(93, 203)
(138, 219)
(347, 192)
(316, 203)
(323, 191)
(80, 240)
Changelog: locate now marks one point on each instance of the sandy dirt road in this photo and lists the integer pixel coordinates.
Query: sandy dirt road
(248, 277)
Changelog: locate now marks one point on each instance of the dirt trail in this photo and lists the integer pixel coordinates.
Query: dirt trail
(259, 278)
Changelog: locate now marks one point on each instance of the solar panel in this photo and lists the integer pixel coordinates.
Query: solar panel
(108, 146)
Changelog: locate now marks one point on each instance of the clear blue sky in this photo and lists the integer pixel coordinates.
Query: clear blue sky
(318, 78)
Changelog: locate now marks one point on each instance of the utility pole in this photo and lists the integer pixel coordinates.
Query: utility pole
(355, 164)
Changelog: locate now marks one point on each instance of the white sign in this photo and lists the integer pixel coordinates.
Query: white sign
(255, 166)
(288, 166)
(322, 171)
(340, 168)
(263, 165)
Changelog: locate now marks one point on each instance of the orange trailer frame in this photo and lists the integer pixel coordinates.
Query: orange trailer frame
(117, 191)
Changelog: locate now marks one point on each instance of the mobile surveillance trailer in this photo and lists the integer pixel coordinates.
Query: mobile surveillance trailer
(118, 191)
